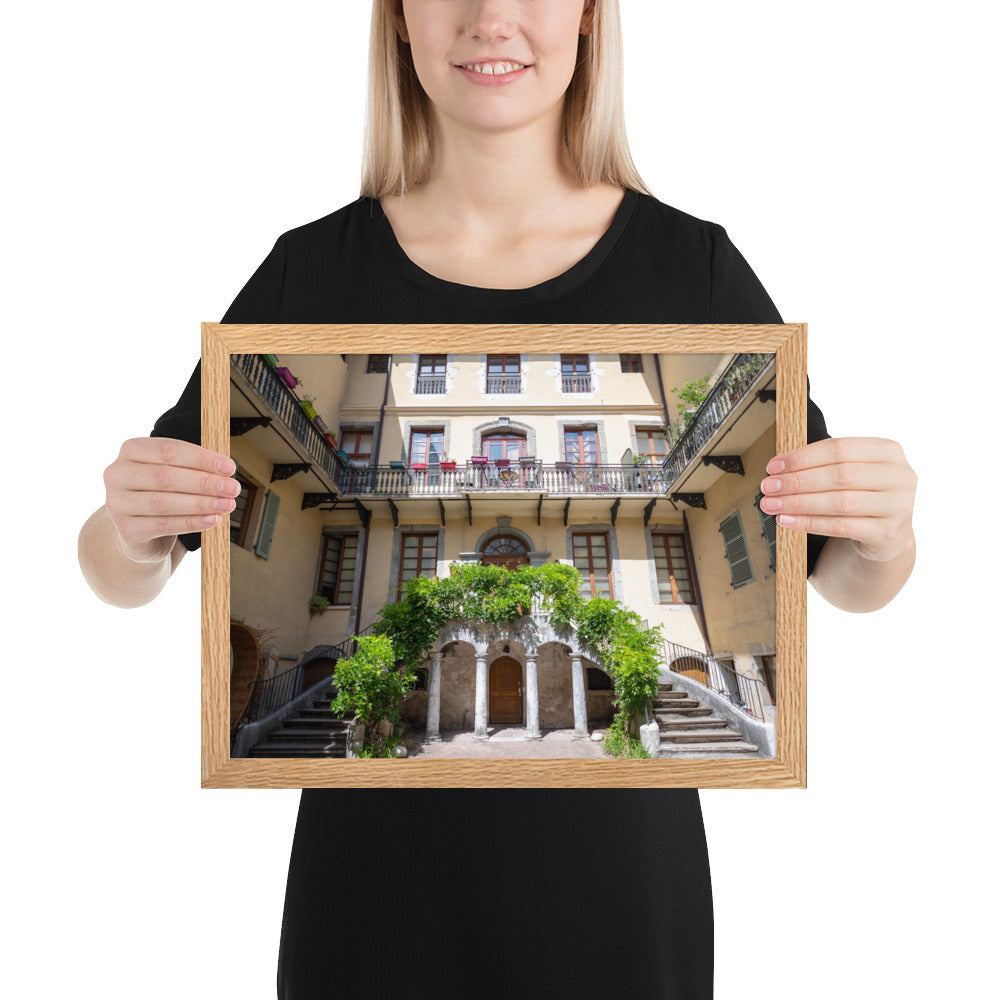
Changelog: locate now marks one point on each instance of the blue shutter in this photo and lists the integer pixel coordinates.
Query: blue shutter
(267, 522)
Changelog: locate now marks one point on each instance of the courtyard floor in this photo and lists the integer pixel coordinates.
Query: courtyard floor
(506, 742)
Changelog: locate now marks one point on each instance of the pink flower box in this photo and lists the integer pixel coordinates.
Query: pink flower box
(287, 377)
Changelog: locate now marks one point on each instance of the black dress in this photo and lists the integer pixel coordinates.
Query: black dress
(486, 892)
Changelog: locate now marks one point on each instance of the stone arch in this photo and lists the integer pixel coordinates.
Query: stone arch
(505, 529)
(512, 427)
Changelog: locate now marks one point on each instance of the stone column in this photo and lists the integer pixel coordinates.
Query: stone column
(482, 698)
(579, 700)
(531, 697)
(434, 698)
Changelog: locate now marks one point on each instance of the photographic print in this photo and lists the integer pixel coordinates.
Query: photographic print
(520, 555)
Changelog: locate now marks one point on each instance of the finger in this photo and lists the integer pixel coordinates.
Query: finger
(840, 503)
(863, 529)
(159, 504)
(139, 531)
(174, 452)
(851, 476)
(833, 451)
(150, 478)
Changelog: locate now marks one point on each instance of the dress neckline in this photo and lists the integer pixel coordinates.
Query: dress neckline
(549, 289)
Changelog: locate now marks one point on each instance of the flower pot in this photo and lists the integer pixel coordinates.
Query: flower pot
(479, 459)
(330, 439)
(308, 409)
(287, 377)
(419, 466)
(449, 466)
(320, 425)
(270, 359)
(501, 463)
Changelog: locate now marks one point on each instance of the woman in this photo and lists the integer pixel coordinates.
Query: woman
(498, 188)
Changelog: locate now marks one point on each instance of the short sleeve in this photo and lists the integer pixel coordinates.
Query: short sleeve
(737, 296)
(258, 302)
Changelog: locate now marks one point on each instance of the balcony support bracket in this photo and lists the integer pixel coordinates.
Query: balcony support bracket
(468, 504)
(285, 470)
(767, 396)
(691, 499)
(394, 510)
(441, 509)
(310, 500)
(363, 512)
(540, 496)
(728, 463)
(566, 512)
(240, 425)
(614, 510)
(647, 512)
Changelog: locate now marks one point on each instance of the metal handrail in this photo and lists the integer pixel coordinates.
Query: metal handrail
(576, 383)
(731, 386)
(267, 383)
(743, 692)
(558, 478)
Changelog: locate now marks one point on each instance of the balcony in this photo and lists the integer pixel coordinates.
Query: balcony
(743, 373)
(284, 404)
(430, 385)
(558, 479)
(576, 383)
(503, 385)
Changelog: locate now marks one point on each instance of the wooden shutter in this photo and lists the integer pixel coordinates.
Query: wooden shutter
(737, 555)
(770, 526)
(267, 523)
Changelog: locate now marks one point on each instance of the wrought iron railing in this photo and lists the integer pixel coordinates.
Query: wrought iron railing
(559, 479)
(266, 381)
(430, 385)
(503, 384)
(732, 385)
(576, 383)
(746, 693)
(272, 693)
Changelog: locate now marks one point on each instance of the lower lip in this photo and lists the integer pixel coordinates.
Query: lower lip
(486, 80)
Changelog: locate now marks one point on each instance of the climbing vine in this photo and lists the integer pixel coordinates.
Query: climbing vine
(495, 594)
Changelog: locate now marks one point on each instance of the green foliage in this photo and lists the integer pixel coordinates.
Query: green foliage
(318, 603)
(371, 686)
(618, 743)
(691, 394)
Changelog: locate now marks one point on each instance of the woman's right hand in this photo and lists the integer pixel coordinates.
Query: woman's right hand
(159, 488)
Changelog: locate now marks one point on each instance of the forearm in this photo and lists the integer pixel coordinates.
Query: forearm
(112, 575)
(853, 583)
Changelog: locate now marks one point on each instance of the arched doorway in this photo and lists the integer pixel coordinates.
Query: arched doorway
(691, 666)
(505, 550)
(506, 700)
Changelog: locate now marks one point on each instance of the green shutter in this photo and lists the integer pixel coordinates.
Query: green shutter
(769, 524)
(737, 555)
(267, 522)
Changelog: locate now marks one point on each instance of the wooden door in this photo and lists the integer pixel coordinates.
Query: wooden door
(506, 704)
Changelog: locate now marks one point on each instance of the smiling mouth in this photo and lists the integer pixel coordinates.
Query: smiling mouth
(492, 68)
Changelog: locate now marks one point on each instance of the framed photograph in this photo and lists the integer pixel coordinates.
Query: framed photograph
(503, 556)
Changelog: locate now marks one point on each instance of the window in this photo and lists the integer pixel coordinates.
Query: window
(417, 557)
(651, 442)
(378, 364)
(769, 526)
(427, 446)
(631, 362)
(673, 568)
(737, 555)
(337, 568)
(575, 373)
(581, 445)
(503, 373)
(239, 519)
(591, 558)
(431, 371)
(356, 442)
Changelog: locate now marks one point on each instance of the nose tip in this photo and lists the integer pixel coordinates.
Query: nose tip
(490, 19)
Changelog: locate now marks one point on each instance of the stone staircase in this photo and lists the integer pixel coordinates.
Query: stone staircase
(313, 732)
(690, 729)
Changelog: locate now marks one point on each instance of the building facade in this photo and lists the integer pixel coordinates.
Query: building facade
(400, 465)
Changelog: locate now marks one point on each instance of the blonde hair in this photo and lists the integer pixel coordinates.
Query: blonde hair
(397, 144)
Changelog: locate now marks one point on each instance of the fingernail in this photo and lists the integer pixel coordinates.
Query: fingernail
(788, 520)
(211, 520)
(224, 504)
(775, 466)
(771, 504)
(771, 485)
(225, 466)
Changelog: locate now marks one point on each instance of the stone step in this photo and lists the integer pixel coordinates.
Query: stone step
(695, 722)
(691, 709)
(664, 696)
(319, 713)
(732, 748)
(305, 736)
(316, 722)
(295, 750)
(702, 736)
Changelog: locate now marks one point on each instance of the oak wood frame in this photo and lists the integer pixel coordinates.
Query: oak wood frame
(786, 770)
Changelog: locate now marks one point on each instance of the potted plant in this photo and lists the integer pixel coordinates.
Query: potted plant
(288, 378)
(330, 440)
(308, 408)
(418, 466)
(320, 425)
(318, 603)
(479, 459)
(270, 359)
(447, 464)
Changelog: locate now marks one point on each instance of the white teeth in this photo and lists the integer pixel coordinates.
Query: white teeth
(495, 69)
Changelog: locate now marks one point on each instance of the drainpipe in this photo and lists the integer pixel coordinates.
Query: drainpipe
(663, 395)
(376, 447)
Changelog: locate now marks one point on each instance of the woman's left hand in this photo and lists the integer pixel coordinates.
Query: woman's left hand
(856, 488)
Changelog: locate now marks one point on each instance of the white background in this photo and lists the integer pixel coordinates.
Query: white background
(154, 153)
